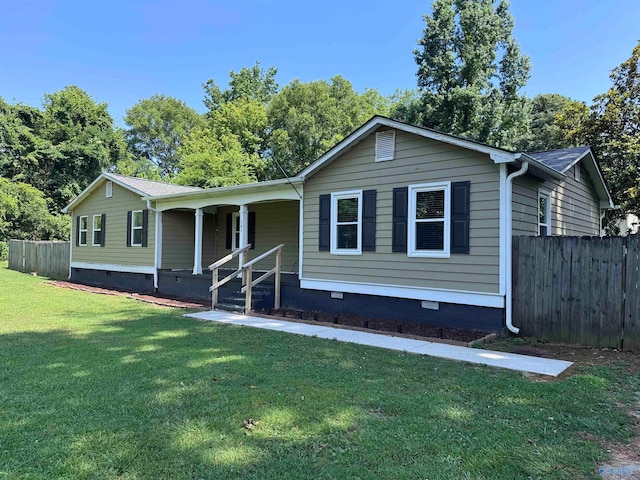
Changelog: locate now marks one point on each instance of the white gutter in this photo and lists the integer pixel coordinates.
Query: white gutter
(509, 245)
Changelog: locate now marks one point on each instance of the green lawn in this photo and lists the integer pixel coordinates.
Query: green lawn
(94, 386)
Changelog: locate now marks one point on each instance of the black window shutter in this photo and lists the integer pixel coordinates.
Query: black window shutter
(229, 233)
(78, 230)
(460, 217)
(128, 228)
(369, 221)
(103, 230)
(324, 223)
(400, 219)
(252, 230)
(145, 226)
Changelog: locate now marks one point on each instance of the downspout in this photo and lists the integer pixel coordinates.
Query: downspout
(509, 245)
(70, 243)
(155, 247)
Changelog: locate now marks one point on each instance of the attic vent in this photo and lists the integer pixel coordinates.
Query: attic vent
(576, 172)
(385, 145)
(109, 189)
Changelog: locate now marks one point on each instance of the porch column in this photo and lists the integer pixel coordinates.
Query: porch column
(244, 232)
(197, 250)
(158, 244)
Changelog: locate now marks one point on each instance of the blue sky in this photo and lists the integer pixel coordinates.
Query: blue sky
(121, 51)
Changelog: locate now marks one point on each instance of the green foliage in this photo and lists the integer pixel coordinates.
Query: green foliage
(553, 123)
(470, 70)
(157, 126)
(61, 148)
(308, 119)
(211, 160)
(248, 84)
(614, 131)
(4, 250)
(24, 214)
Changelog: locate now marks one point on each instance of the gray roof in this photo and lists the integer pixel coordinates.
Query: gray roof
(151, 187)
(561, 159)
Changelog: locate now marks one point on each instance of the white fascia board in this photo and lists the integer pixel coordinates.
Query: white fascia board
(601, 186)
(280, 192)
(114, 268)
(462, 297)
(497, 155)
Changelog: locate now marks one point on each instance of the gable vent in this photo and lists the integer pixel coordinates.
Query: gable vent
(385, 145)
(109, 189)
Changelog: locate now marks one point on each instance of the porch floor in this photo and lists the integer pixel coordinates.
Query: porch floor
(511, 361)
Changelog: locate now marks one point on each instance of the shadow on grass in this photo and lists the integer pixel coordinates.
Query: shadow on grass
(162, 396)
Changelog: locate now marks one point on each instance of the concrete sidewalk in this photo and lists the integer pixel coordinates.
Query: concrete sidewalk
(511, 361)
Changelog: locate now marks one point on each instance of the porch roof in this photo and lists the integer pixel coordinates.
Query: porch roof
(272, 190)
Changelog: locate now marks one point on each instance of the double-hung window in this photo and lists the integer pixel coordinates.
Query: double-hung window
(136, 228)
(544, 213)
(97, 231)
(429, 220)
(346, 222)
(82, 231)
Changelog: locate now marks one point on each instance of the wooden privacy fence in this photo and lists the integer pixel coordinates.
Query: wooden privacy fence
(578, 289)
(49, 259)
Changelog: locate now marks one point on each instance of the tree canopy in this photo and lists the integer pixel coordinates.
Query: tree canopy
(470, 72)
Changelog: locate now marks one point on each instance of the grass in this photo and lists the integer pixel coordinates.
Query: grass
(96, 386)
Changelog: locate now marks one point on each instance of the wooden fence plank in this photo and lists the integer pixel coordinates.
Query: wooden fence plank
(631, 327)
(48, 259)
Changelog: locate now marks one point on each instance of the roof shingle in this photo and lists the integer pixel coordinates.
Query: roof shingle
(560, 159)
(152, 187)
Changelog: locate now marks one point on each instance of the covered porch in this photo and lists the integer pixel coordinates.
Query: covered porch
(197, 229)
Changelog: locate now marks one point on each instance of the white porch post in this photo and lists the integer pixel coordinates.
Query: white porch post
(197, 251)
(244, 232)
(158, 245)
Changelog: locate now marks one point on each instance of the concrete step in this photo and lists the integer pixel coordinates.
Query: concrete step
(230, 307)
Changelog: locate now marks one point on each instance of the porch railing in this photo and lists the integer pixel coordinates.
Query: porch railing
(247, 276)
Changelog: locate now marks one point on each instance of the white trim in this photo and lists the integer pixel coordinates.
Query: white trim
(542, 193)
(133, 227)
(412, 251)
(497, 155)
(114, 268)
(584, 154)
(300, 237)
(244, 235)
(503, 226)
(72, 243)
(462, 297)
(86, 231)
(235, 219)
(93, 231)
(335, 197)
(157, 254)
(197, 248)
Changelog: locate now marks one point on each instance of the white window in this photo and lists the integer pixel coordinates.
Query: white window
(576, 172)
(429, 220)
(136, 228)
(346, 223)
(82, 231)
(109, 189)
(97, 231)
(385, 145)
(544, 213)
(235, 231)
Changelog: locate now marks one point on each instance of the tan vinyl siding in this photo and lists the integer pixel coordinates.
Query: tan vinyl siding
(276, 223)
(574, 205)
(178, 239)
(115, 251)
(418, 160)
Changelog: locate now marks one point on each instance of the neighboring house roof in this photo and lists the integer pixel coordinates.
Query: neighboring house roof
(139, 186)
(560, 160)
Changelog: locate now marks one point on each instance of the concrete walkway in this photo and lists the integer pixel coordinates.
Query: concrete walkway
(511, 361)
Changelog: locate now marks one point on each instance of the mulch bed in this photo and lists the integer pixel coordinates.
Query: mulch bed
(410, 329)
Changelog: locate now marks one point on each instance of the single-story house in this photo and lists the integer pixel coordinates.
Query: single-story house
(396, 221)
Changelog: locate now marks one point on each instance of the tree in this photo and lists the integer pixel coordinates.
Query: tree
(308, 119)
(470, 72)
(24, 214)
(156, 128)
(614, 132)
(554, 121)
(210, 160)
(248, 84)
